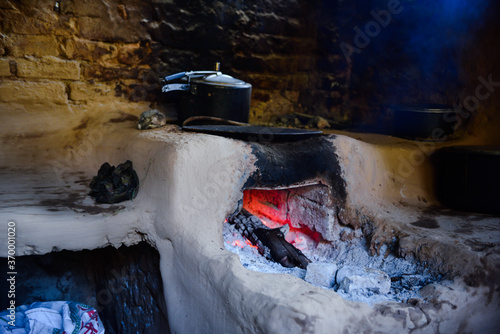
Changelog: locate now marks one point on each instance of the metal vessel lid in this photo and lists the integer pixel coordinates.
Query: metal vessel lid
(423, 108)
(219, 79)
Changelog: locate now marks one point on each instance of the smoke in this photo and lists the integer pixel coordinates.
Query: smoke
(417, 57)
(439, 31)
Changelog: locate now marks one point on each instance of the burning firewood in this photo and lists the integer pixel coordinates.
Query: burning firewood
(271, 243)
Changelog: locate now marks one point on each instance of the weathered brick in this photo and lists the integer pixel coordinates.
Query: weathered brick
(111, 29)
(274, 64)
(289, 8)
(93, 8)
(48, 68)
(134, 54)
(104, 73)
(16, 22)
(270, 23)
(78, 91)
(33, 45)
(4, 67)
(268, 44)
(81, 49)
(83, 91)
(267, 82)
(32, 19)
(32, 92)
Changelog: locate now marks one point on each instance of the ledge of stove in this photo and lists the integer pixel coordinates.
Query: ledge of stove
(180, 210)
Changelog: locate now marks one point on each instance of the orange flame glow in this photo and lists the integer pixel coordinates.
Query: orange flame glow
(271, 206)
(250, 244)
(237, 243)
(240, 244)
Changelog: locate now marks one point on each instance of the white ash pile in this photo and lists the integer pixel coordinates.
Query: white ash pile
(345, 267)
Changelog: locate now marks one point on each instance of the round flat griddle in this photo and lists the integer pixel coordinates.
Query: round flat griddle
(254, 133)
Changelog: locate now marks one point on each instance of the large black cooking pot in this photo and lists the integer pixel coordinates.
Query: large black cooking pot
(210, 93)
(468, 177)
(433, 122)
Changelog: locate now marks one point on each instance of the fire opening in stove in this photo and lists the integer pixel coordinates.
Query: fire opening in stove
(299, 232)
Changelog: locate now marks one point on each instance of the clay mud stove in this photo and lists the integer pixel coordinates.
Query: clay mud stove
(341, 196)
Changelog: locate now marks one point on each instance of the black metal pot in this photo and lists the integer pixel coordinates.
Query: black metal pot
(423, 121)
(210, 93)
(468, 177)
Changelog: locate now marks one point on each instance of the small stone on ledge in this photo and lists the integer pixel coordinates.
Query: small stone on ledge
(151, 119)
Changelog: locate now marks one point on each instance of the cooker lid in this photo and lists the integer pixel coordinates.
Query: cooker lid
(423, 108)
(215, 78)
(219, 79)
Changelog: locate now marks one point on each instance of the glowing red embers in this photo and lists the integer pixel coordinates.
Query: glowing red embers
(250, 244)
(270, 204)
(242, 244)
(272, 207)
(237, 243)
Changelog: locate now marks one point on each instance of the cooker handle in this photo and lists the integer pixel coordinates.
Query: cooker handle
(169, 87)
(174, 86)
(176, 76)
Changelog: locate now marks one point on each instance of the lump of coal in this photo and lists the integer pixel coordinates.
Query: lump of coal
(151, 119)
(114, 185)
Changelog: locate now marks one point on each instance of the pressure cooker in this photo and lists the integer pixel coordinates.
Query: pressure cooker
(210, 93)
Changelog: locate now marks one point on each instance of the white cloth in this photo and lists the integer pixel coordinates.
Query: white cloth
(58, 317)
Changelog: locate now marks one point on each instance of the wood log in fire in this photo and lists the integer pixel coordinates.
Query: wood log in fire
(271, 243)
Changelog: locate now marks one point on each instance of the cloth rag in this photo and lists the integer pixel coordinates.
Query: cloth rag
(55, 317)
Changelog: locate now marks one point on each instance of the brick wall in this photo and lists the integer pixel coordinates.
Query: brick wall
(85, 50)
(84, 53)
(59, 68)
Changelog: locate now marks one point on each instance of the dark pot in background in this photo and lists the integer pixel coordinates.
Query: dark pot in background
(434, 122)
(210, 93)
(468, 178)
